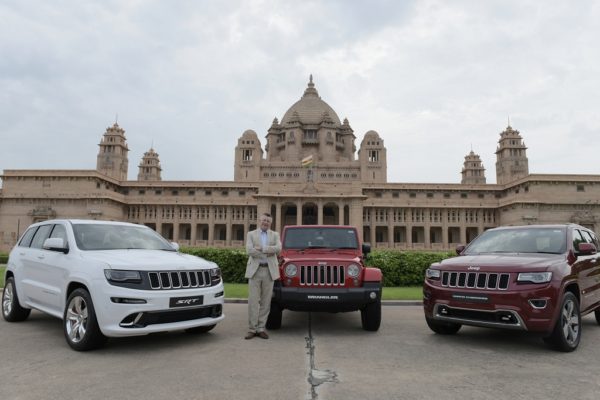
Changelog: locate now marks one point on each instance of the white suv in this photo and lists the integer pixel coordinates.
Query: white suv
(109, 279)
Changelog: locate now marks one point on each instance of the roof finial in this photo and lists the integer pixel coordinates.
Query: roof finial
(311, 78)
(509, 121)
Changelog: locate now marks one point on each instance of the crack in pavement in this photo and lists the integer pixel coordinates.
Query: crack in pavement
(316, 377)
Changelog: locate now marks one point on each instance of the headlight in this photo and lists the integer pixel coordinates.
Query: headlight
(117, 275)
(432, 273)
(291, 270)
(353, 270)
(534, 277)
(215, 272)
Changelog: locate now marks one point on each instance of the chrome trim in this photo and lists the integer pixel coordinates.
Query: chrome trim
(475, 280)
(164, 279)
(520, 325)
(538, 307)
(322, 275)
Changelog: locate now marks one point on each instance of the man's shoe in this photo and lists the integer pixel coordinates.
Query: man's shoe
(249, 335)
(262, 335)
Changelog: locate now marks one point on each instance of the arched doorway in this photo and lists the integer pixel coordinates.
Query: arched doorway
(331, 214)
(310, 214)
(289, 214)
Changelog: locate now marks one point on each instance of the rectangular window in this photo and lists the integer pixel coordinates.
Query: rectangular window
(373, 155)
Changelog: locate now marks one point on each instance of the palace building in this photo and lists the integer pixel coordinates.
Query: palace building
(311, 170)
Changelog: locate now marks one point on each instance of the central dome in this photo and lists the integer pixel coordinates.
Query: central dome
(310, 109)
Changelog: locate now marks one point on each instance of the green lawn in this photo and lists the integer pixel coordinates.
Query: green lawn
(240, 290)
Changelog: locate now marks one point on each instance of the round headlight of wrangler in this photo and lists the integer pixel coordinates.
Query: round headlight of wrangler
(353, 270)
(291, 270)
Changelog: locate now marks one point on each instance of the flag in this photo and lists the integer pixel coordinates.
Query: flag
(307, 161)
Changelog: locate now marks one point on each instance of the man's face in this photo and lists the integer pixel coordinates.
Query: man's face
(265, 223)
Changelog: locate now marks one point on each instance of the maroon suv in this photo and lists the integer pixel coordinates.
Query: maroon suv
(538, 278)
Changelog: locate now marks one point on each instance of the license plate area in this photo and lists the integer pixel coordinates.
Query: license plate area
(189, 301)
(470, 297)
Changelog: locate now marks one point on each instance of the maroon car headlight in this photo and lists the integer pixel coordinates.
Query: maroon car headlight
(291, 270)
(433, 273)
(534, 277)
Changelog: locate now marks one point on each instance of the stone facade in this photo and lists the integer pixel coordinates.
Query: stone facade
(309, 172)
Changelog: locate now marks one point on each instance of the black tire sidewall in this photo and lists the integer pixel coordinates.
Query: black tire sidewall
(93, 338)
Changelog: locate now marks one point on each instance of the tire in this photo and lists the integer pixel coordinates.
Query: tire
(11, 308)
(275, 315)
(370, 316)
(200, 329)
(567, 331)
(442, 327)
(80, 325)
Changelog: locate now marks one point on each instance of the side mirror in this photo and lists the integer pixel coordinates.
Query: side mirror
(56, 244)
(586, 249)
(460, 248)
(366, 249)
(175, 245)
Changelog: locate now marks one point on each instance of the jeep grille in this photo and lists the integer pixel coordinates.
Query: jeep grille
(323, 275)
(179, 279)
(475, 280)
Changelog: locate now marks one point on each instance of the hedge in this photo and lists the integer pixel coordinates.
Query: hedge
(3, 258)
(400, 268)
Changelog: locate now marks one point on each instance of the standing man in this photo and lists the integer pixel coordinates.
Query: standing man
(263, 246)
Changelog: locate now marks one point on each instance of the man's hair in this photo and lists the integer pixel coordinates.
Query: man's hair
(266, 215)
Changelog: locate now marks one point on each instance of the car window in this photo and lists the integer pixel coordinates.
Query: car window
(59, 231)
(549, 240)
(577, 238)
(594, 239)
(27, 236)
(588, 238)
(41, 235)
(114, 237)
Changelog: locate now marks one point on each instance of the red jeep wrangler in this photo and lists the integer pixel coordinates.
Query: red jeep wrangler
(322, 269)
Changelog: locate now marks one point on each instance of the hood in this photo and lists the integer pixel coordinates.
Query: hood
(321, 255)
(147, 260)
(505, 262)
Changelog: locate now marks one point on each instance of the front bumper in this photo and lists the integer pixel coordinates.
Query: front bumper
(326, 299)
(117, 318)
(507, 309)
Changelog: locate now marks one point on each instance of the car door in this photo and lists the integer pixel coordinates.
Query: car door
(46, 271)
(32, 259)
(585, 266)
(594, 274)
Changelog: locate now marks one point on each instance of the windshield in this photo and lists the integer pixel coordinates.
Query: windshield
(321, 238)
(113, 237)
(522, 240)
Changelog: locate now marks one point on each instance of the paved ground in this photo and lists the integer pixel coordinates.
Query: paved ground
(314, 356)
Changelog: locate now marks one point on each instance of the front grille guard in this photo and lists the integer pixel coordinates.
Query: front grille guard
(164, 280)
(476, 280)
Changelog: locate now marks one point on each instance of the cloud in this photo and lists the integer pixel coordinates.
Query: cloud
(433, 78)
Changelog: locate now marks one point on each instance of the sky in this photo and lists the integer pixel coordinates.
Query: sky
(435, 79)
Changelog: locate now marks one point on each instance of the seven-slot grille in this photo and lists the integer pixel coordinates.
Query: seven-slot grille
(476, 280)
(179, 279)
(324, 275)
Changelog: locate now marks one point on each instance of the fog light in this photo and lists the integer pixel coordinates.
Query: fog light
(124, 300)
(538, 303)
(220, 294)
(373, 295)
